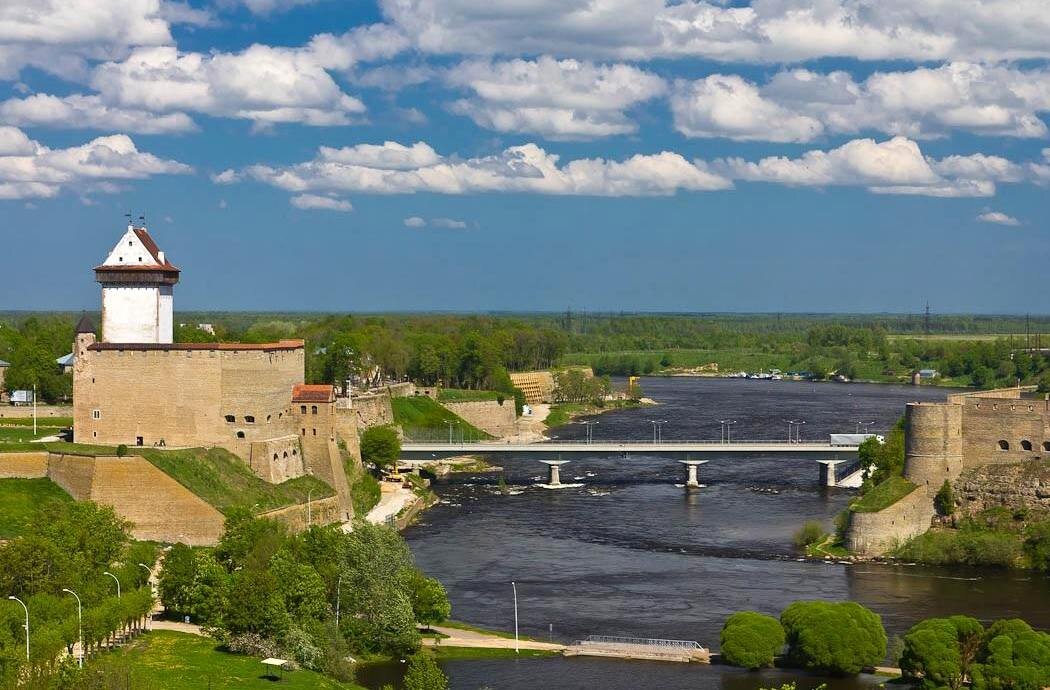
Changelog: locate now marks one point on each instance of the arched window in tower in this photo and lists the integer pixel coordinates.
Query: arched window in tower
(1004, 444)
(249, 419)
(240, 434)
(230, 418)
(1046, 446)
(1026, 444)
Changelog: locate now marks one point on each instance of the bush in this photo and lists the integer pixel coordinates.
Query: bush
(944, 501)
(940, 651)
(380, 446)
(809, 534)
(751, 640)
(122, 450)
(424, 674)
(836, 637)
(963, 547)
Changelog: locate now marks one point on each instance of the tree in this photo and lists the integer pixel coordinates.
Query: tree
(176, 579)
(751, 639)
(380, 446)
(424, 674)
(429, 601)
(940, 651)
(1012, 657)
(944, 501)
(839, 637)
(883, 460)
(1037, 545)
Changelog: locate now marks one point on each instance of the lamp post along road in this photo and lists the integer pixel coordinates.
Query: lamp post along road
(515, 588)
(26, 626)
(115, 580)
(80, 625)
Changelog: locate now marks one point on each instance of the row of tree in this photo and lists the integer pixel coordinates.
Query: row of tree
(69, 546)
(315, 597)
(845, 637)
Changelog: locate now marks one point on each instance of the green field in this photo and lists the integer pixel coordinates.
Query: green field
(423, 418)
(466, 395)
(20, 502)
(53, 422)
(883, 495)
(180, 661)
(19, 434)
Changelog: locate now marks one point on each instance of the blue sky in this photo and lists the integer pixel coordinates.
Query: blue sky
(774, 155)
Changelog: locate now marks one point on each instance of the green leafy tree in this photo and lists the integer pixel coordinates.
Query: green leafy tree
(1037, 545)
(751, 640)
(939, 652)
(1012, 657)
(177, 578)
(883, 460)
(839, 637)
(429, 600)
(944, 501)
(423, 674)
(380, 446)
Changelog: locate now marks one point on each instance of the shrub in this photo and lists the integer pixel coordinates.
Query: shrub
(836, 637)
(944, 501)
(940, 651)
(424, 674)
(809, 534)
(380, 446)
(751, 640)
(1037, 545)
(122, 450)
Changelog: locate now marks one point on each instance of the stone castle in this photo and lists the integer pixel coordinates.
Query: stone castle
(137, 387)
(949, 441)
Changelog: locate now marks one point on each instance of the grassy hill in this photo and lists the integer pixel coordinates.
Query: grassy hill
(423, 418)
(216, 475)
(20, 503)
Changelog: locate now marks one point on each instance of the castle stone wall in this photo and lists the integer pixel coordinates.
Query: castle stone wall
(323, 511)
(373, 409)
(874, 534)
(277, 460)
(26, 412)
(989, 421)
(488, 415)
(1017, 486)
(933, 444)
(23, 465)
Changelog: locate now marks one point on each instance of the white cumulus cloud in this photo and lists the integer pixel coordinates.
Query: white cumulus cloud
(89, 112)
(998, 218)
(30, 169)
(560, 99)
(449, 223)
(415, 222)
(315, 202)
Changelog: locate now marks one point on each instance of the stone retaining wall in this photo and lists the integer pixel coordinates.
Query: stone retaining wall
(42, 411)
(1015, 486)
(23, 465)
(323, 511)
(487, 415)
(373, 409)
(873, 534)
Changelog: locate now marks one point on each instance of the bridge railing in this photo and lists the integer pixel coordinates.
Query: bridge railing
(642, 642)
(615, 442)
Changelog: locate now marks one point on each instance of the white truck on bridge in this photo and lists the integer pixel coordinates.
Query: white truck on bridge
(852, 439)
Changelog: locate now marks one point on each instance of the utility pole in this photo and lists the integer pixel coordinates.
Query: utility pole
(926, 319)
(515, 587)
(34, 410)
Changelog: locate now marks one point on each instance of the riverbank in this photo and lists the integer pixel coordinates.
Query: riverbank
(565, 413)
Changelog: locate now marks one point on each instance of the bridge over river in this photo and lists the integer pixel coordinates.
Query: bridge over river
(829, 454)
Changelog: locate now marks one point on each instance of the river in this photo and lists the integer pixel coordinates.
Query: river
(631, 553)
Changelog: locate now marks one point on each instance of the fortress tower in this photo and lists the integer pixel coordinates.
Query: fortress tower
(137, 285)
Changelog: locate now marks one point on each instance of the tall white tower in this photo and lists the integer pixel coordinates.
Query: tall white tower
(137, 285)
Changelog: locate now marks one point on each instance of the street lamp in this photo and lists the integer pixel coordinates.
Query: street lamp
(657, 430)
(798, 430)
(451, 423)
(867, 426)
(515, 587)
(729, 429)
(590, 429)
(115, 580)
(80, 624)
(26, 626)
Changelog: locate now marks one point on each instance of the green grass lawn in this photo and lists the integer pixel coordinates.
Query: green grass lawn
(423, 418)
(55, 422)
(883, 495)
(20, 502)
(464, 395)
(180, 661)
(20, 434)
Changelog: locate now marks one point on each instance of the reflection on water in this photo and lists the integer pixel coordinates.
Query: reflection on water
(630, 553)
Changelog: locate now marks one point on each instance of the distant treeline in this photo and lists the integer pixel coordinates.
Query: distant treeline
(478, 350)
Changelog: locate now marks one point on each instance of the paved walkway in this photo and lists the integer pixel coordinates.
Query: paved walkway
(471, 638)
(177, 626)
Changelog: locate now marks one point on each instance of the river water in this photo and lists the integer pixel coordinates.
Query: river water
(630, 553)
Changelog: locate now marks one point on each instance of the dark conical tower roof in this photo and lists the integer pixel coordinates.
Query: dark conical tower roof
(85, 325)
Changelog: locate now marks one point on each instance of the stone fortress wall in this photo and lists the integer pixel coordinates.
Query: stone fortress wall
(488, 415)
(953, 441)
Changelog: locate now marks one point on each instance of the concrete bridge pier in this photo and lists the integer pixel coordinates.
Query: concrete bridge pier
(827, 472)
(553, 471)
(692, 482)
